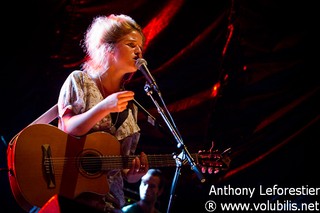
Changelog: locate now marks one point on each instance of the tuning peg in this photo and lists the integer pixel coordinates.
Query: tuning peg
(203, 169)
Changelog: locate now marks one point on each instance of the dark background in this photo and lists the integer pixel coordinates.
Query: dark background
(261, 55)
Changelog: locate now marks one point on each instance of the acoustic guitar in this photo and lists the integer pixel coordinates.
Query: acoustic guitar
(44, 160)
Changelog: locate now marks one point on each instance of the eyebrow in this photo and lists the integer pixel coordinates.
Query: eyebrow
(124, 38)
(130, 40)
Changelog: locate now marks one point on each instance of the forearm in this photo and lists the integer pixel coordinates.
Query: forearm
(81, 124)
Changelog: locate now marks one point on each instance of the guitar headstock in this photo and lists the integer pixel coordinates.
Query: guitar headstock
(213, 162)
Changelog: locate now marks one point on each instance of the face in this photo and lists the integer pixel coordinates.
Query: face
(149, 188)
(126, 51)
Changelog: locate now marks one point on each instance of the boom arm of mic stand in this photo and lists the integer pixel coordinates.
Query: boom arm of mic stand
(152, 120)
(193, 164)
(180, 143)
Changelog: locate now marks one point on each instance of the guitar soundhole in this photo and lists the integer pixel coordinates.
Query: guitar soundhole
(90, 163)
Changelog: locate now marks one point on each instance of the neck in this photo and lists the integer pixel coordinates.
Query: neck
(147, 207)
(110, 83)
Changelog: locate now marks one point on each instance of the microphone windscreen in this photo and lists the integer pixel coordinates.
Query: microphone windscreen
(139, 62)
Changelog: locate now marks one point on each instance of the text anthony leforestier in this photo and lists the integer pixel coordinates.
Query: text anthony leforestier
(274, 190)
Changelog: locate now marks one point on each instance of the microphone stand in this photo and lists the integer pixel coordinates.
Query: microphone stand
(185, 156)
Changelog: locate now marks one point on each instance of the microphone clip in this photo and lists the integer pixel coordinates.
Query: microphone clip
(148, 89)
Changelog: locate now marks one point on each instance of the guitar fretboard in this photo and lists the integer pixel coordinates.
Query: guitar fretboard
(156, 160)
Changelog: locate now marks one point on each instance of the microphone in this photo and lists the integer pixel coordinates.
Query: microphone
(141, 64)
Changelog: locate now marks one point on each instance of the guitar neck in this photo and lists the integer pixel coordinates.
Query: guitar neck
(125, 162)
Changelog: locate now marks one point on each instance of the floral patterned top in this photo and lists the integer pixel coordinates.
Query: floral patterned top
(80, 93)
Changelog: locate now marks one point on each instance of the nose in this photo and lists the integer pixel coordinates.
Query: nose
(138, 51)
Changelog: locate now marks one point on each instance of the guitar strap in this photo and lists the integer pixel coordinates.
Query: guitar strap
(48, 116)
(45, 118)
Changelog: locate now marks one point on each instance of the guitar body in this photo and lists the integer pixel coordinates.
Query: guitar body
(44, 161)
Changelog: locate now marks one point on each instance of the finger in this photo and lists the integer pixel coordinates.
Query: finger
(125, 99)
(144, 158)
(136, 164)
(122, 106)
(144, 162)
(124, 94)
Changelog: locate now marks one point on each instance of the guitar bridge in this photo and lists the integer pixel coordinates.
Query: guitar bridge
(47, 164)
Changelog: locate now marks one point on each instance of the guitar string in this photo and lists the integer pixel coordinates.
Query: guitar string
(156, 161)
(117, 161)
(111, 159)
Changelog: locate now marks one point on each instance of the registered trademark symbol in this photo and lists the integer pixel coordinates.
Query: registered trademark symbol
(210, 206)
